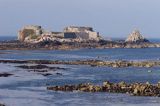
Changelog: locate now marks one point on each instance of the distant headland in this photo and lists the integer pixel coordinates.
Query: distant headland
(72, 37)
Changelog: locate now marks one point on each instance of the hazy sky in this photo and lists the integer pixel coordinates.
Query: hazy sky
(112, 18)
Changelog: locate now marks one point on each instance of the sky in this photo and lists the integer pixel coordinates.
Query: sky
(112, 18)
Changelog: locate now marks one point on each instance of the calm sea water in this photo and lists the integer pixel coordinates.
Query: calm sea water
(4, 38)
(29, 88)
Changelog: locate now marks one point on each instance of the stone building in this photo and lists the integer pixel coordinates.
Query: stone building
(83, 33)
(77, 29)
(72, 33)
(29, 31)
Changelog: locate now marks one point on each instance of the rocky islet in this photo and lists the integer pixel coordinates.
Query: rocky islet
(33, 37)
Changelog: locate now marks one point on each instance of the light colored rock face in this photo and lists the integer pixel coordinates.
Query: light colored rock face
(136, 36)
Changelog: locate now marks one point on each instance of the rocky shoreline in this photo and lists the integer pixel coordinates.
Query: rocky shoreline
(135, 89)
(93, 63)
(17, 45)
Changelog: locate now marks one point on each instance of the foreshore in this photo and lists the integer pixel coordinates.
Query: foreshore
(17, 45)
(44, 68)
(93, 63)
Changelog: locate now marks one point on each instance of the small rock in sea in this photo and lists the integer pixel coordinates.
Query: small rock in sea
(98, 57)
(5, 74)
(33, 66)
(149, 71)
(40, 66)
(47, 74)
(59, 73)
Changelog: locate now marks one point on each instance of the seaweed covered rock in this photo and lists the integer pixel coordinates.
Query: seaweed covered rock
(136, 89)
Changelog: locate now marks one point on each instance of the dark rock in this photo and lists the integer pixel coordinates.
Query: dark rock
(33, 67)
(41, 71)
(40, 66)
(93, 63)
(5, 74)
(17, 45)
(59, 73)
(46, 74)
(136, 89)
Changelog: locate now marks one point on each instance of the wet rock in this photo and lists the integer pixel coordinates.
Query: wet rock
(46, 74)
(35, 67)
(116, 64)
(136, 89)
(5, 74)
(59, 73)
(40, 71)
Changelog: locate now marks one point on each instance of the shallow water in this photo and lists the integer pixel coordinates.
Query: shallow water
(29, 88)
(101, 54)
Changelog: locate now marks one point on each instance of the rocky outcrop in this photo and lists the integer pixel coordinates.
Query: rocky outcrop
(5, 75)
(44, 70)
(136, 36)
(136, 89)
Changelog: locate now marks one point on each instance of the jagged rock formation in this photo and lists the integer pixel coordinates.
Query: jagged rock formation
(35, 34)
(136, 36)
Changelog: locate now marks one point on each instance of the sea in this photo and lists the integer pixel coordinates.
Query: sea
(29, 88)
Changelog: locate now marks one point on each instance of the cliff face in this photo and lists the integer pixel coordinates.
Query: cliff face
(136, 36)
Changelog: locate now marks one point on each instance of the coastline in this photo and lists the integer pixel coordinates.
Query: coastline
(92, 63)
(17, 45)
